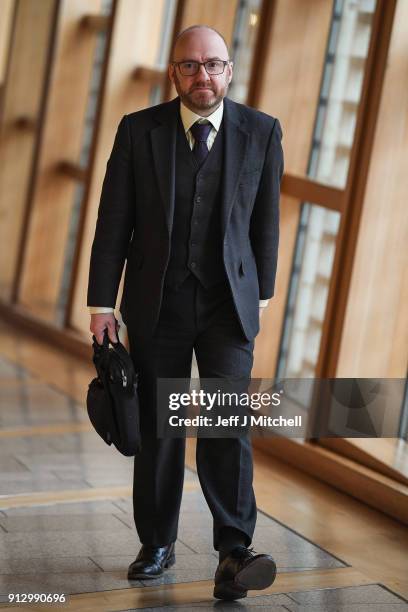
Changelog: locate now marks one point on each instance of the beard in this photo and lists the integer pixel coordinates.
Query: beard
(195, 99)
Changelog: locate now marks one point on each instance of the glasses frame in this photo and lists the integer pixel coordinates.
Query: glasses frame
(225, 62)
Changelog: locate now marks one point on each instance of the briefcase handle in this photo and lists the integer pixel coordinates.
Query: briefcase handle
(118, 346)
(101, 354)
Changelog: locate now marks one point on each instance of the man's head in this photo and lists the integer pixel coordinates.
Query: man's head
(201, 92)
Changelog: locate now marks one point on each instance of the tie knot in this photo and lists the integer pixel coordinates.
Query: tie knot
(200, 131)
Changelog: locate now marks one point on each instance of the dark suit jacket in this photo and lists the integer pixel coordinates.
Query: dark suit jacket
(137, 204)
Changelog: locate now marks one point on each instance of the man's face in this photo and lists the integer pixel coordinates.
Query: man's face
(202, 92)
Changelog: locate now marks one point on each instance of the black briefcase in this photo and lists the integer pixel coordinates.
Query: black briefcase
(112, 400)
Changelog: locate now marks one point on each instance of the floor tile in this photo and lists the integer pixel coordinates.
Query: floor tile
(34, 404)
(84, 522)
(89, 507)
(336, 599)
(42, 484)
(71, 543)
(45, 565)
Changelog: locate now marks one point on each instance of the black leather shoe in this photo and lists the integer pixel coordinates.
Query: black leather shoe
(151, 562)
(241, 571)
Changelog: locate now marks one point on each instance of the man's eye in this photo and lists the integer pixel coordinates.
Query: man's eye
(188, 64)
(212, 64)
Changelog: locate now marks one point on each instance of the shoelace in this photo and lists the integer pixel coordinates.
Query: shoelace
(240, 552)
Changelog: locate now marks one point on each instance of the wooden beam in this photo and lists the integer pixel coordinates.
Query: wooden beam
(308, 190)
(95, 22)
(388, 456)
(72, 170)
(26, 123)
(154, 76)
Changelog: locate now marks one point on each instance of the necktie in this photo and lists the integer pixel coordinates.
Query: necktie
(200, 132)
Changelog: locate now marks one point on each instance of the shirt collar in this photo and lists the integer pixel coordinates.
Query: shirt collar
(189, 118)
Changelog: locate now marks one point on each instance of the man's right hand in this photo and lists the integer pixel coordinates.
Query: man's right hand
(102, 321)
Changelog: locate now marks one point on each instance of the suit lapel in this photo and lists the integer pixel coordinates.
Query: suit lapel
(235, 152)
(163, 139)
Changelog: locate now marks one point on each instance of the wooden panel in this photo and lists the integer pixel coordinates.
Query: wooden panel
(290, 78)
(218, 14)
(375, 333)
(135, 41)
(376, 490)
(6, 16)
(289, 89)
(22, 98)
(53, 195)
(389, 456)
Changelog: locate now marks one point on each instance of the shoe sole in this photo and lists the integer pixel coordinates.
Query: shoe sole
(141, 576)
(258, 575)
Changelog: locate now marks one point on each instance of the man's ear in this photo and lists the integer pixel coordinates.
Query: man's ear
(170, 72)
(230, 70)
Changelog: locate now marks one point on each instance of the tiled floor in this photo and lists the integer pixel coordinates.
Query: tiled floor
(86, 546)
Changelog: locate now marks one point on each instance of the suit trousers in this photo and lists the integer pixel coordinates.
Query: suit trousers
(203, 320)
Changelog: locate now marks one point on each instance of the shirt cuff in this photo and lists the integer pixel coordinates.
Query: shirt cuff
(263, 303)
(100, 309)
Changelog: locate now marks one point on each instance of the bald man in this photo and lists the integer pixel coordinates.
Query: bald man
(190, 200)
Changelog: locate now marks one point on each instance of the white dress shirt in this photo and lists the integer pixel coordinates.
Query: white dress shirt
(188, 118)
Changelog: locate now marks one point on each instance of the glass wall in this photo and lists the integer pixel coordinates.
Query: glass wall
(308, 291)
(340, 94)
(242, 49)
(163, 51)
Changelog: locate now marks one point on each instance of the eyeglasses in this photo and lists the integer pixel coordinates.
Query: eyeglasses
(188, 68)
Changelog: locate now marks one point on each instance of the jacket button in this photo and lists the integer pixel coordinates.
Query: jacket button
(193, 264)
(198, 199)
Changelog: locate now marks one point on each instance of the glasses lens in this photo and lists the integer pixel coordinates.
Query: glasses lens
(188, 68)
(215, 67)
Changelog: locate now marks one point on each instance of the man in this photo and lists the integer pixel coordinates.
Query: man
(191, 200)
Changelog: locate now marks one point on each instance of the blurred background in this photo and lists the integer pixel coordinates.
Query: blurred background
(335, 73)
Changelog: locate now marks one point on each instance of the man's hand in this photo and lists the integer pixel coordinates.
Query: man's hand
(102, 321)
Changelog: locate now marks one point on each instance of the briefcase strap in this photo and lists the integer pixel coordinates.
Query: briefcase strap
(101, 356)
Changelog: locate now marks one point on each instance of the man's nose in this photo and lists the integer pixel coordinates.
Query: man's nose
(202, 73)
